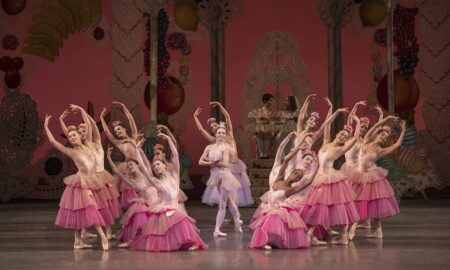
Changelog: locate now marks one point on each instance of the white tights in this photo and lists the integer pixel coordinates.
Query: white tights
(225, 198)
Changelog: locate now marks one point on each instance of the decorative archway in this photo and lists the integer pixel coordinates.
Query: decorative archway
(277, 61)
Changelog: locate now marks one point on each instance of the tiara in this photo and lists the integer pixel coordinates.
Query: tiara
(71, 128)
(315, 115)
(117, 123)
(348, 128)
(82, 125)
(364, 120)
(222, 125)
(158, 146)
(210, 121)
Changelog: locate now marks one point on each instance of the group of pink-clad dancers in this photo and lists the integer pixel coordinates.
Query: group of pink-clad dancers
(307, 199)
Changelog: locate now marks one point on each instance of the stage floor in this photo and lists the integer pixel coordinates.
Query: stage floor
(418, 238)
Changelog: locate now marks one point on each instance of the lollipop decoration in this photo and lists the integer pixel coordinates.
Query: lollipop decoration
(178, 41)
(11, 68)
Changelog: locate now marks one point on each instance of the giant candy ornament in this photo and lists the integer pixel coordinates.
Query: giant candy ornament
(372, 12)
(406, 93)
(170, 100)
(185, 14)
(13, 7)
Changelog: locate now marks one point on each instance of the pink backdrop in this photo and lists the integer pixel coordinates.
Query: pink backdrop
(83, 71)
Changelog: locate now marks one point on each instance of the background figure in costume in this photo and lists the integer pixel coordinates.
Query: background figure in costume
(262, 119)
(374, 195)
(168, 228)
(243, 196)
(280, 224)
(126, 144)
(217, 156)
(137, 214)
(287, 119)
(78, 208)
(329, 201)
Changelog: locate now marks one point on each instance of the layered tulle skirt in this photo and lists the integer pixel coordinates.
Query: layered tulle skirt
(374, 195)
(134, 220)
(280, 227)
(168, 230)
(243, 195)
(78, 208)
(220, 178)
(329, 201)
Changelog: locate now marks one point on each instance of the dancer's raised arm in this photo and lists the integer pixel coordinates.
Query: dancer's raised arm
(322, 127)
(174, 154)
(375, 127)
(289, 156)
(327, 125)
(205, 133)
(303, 185)
(166, 130)
(302, 114)
(350, 142)
(129, 116)
(65, 150)
(106, 128)
(77, 109)
(227, 117)
(281, 148)
(398, 143)
(61, 121)
(353, 111)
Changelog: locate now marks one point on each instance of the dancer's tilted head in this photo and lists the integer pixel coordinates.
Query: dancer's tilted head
(313, 121)
(212, 123)
(132, 165)
(343, 135)
(73, 136)
(159, 165)
(82, 131)
(119, 130)
(159, 150)
(221, 131)
(382, 135)
(364, 126)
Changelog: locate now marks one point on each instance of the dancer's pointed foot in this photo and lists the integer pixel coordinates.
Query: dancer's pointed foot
(218, 233)
(351, 232)
(267, 247)
(85, 234)
(105, 244)
(364, 225)
(332, 232)
(377, 233)
(238, 229)
(317, 242)
(109, 234)
(193, 248)
(81, 246)
(340, 241)
(124, 245)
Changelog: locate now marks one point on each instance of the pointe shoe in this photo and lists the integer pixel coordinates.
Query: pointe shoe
(351, 232)
(193, 248)
(124, 245)
(109, 235)
(332, 232)
(364, 225)
(105, 244)
(81, 246)
(227, 220)
(375, 234)
(86, 234)
(218, 233)
(317, 242)
(340, 241)
(267, 247)
(170, 213)
(238, 229)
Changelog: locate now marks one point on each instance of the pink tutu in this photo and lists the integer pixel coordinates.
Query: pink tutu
(281, 227)
(261, 206)
(168, 233)
(127, 194)
(374, 195)
(222, 177)
(329, 201)
(78, 208)
(134, 220)
(348, 169)
(243, 195)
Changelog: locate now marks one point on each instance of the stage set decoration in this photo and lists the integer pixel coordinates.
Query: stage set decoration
(150, 59)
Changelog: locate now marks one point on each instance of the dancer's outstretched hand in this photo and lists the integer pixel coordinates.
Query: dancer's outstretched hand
(163, 136)
(102, 115)
(75, 108)
(198, 111)
(47, 119)
(343, 110)
(118, 104)
(64, 114)
(328, 101)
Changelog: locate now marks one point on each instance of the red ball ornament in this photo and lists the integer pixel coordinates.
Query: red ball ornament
(406, 93)
(170, 98)
(18, 63)
(13, 7)
(12, 79)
